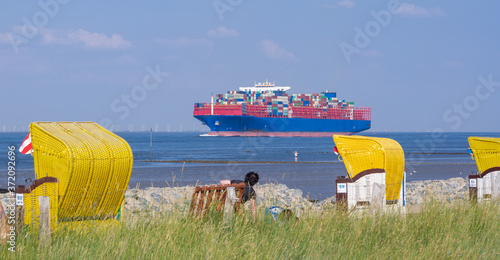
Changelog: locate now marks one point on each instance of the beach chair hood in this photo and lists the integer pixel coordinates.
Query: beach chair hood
(362, 155)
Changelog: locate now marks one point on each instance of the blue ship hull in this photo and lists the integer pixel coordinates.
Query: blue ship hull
(280, 126)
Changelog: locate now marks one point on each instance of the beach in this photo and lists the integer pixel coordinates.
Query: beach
(188, 159)
(158, 200)
(168, 200)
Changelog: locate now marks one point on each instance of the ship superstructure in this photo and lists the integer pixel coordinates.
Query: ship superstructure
(268, 110)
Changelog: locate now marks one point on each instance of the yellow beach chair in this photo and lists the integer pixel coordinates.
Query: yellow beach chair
(370, 161)
(486, 184)
(83, 168)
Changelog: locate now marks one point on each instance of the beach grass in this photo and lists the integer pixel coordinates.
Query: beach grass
(433, 231)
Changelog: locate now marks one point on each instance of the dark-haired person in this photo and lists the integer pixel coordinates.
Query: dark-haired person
(251, 179)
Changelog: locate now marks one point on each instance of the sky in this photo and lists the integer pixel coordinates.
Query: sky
(136, 65)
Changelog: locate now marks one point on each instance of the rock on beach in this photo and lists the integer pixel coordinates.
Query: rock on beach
(177, 199)
(158, 200)
(441, 190)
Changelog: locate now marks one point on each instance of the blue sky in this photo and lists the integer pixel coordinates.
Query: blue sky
(420, 66)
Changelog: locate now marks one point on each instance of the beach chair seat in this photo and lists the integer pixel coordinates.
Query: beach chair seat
(375, 168)
(205, 198)
(88, 167)
(486, 184)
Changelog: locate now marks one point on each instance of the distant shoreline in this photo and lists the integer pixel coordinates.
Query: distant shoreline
(274, 162)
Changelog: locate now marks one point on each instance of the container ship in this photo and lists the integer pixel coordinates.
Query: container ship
(268, 110)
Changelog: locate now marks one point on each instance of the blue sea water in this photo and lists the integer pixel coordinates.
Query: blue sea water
(428, 156)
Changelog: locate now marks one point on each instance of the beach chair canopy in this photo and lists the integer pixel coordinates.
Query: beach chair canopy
(486, 152)
(92, 165)
(373, 154)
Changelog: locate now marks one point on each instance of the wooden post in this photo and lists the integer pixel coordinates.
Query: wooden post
(473, 187)
(378, 196)
(19, 212)
(341, 194)
(231, 199)
(151, 145)
(44, 228)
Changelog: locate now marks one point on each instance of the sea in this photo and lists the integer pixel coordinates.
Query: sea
(170, 159)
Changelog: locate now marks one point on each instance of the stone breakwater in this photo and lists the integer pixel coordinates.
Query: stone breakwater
(178, 199)
(157, 200)
(442, 190)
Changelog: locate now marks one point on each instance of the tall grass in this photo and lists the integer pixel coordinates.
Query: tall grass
(454, 231)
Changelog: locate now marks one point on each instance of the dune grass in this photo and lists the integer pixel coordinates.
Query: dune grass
(436, 231)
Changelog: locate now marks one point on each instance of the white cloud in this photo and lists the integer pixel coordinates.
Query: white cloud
(223, 32)
(184, 42)
(417, 11)
(346, 3)
(99, 40)
(55, 37)
(88, 39)
(274, 51)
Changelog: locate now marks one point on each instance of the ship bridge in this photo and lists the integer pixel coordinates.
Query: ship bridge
(266, 86)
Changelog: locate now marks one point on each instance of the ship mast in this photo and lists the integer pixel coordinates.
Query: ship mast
(212, 105)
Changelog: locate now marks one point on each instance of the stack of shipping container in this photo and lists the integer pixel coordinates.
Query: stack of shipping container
(280, 104)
